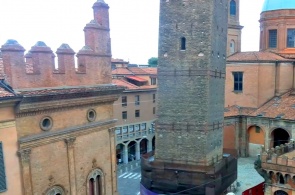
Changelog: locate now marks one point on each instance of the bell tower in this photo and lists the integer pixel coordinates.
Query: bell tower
(191, 74)
(234, 28)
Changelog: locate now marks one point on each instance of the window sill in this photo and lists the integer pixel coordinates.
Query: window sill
(237, 92)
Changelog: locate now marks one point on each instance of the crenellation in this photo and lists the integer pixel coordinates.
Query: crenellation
(37, 67)
(66, 59)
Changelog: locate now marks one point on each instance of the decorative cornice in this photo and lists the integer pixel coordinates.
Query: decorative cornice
(53, 136)
(30, 109)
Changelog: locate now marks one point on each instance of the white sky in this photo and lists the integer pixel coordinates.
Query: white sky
(134, 25)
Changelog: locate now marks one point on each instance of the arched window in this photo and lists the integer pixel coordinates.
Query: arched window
(95, 182)
(233, 8)
(182, 43)
(56, 190)
(232, 47)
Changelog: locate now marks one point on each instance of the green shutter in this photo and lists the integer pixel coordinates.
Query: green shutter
(2, 171)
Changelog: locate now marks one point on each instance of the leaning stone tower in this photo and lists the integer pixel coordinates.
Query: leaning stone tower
(189, 137)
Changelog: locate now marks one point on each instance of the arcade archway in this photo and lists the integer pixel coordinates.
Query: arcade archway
(279, 136)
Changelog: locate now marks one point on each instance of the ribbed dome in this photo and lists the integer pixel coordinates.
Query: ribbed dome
(278, 4)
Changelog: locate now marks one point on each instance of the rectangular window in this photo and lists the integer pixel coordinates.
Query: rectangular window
(272, 39)
(136, 127)
(154, 98)
(124, 115)
(143, 126)
(137, 100)
(137, 113)
(3, 186)
(291, 38)
(153, 81)
(238, 81)
(131, 128)
(125, 129)
(124, 101)
(154, 110)
(118, 130)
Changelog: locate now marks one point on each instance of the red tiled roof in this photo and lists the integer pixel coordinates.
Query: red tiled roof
(136, 78)
(137, 70)
(130, 86)
(4, 93)
(122, 71)
(151, 70)
(256, 56)
(121, 82)
(282, 106)
(278, 107)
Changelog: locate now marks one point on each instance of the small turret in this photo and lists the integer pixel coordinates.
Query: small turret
(13, 59)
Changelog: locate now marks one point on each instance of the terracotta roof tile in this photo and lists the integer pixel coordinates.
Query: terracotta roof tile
(121, 71)
(4, 93)
(123, 83)
(150, 70)
(137, 70)
(282, 107)
(278, 107)
(135, 78)
(130, 86)
(255, 56)
(5, 90)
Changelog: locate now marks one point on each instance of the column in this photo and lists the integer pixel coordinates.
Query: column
(125, 154)
(71, 164)
(114, 161)
(24, 155)
(150, 146)
(137, 150)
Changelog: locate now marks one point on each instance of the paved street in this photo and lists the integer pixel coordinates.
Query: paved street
(128, 182)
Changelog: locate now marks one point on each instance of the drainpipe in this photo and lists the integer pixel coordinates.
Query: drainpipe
(276, 78)
(293, 75)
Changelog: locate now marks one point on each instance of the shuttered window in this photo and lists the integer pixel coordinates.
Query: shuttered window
(2, 171)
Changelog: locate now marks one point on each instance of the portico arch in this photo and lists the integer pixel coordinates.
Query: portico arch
(256, 138)
(280, 192)
(279, 136)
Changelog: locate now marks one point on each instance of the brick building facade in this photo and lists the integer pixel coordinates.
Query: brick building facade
(135, 110)
(259, 101)
(64, 121)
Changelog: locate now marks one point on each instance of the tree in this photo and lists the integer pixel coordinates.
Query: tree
(153, 62)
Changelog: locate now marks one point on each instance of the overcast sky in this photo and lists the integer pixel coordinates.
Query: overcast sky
(134, 24)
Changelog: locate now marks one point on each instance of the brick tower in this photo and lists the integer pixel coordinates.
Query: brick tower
(189, 137)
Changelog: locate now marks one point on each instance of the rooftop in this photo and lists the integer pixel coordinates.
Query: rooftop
(254, 56)
(281, 107)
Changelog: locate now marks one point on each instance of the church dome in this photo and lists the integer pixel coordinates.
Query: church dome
(270, 5)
